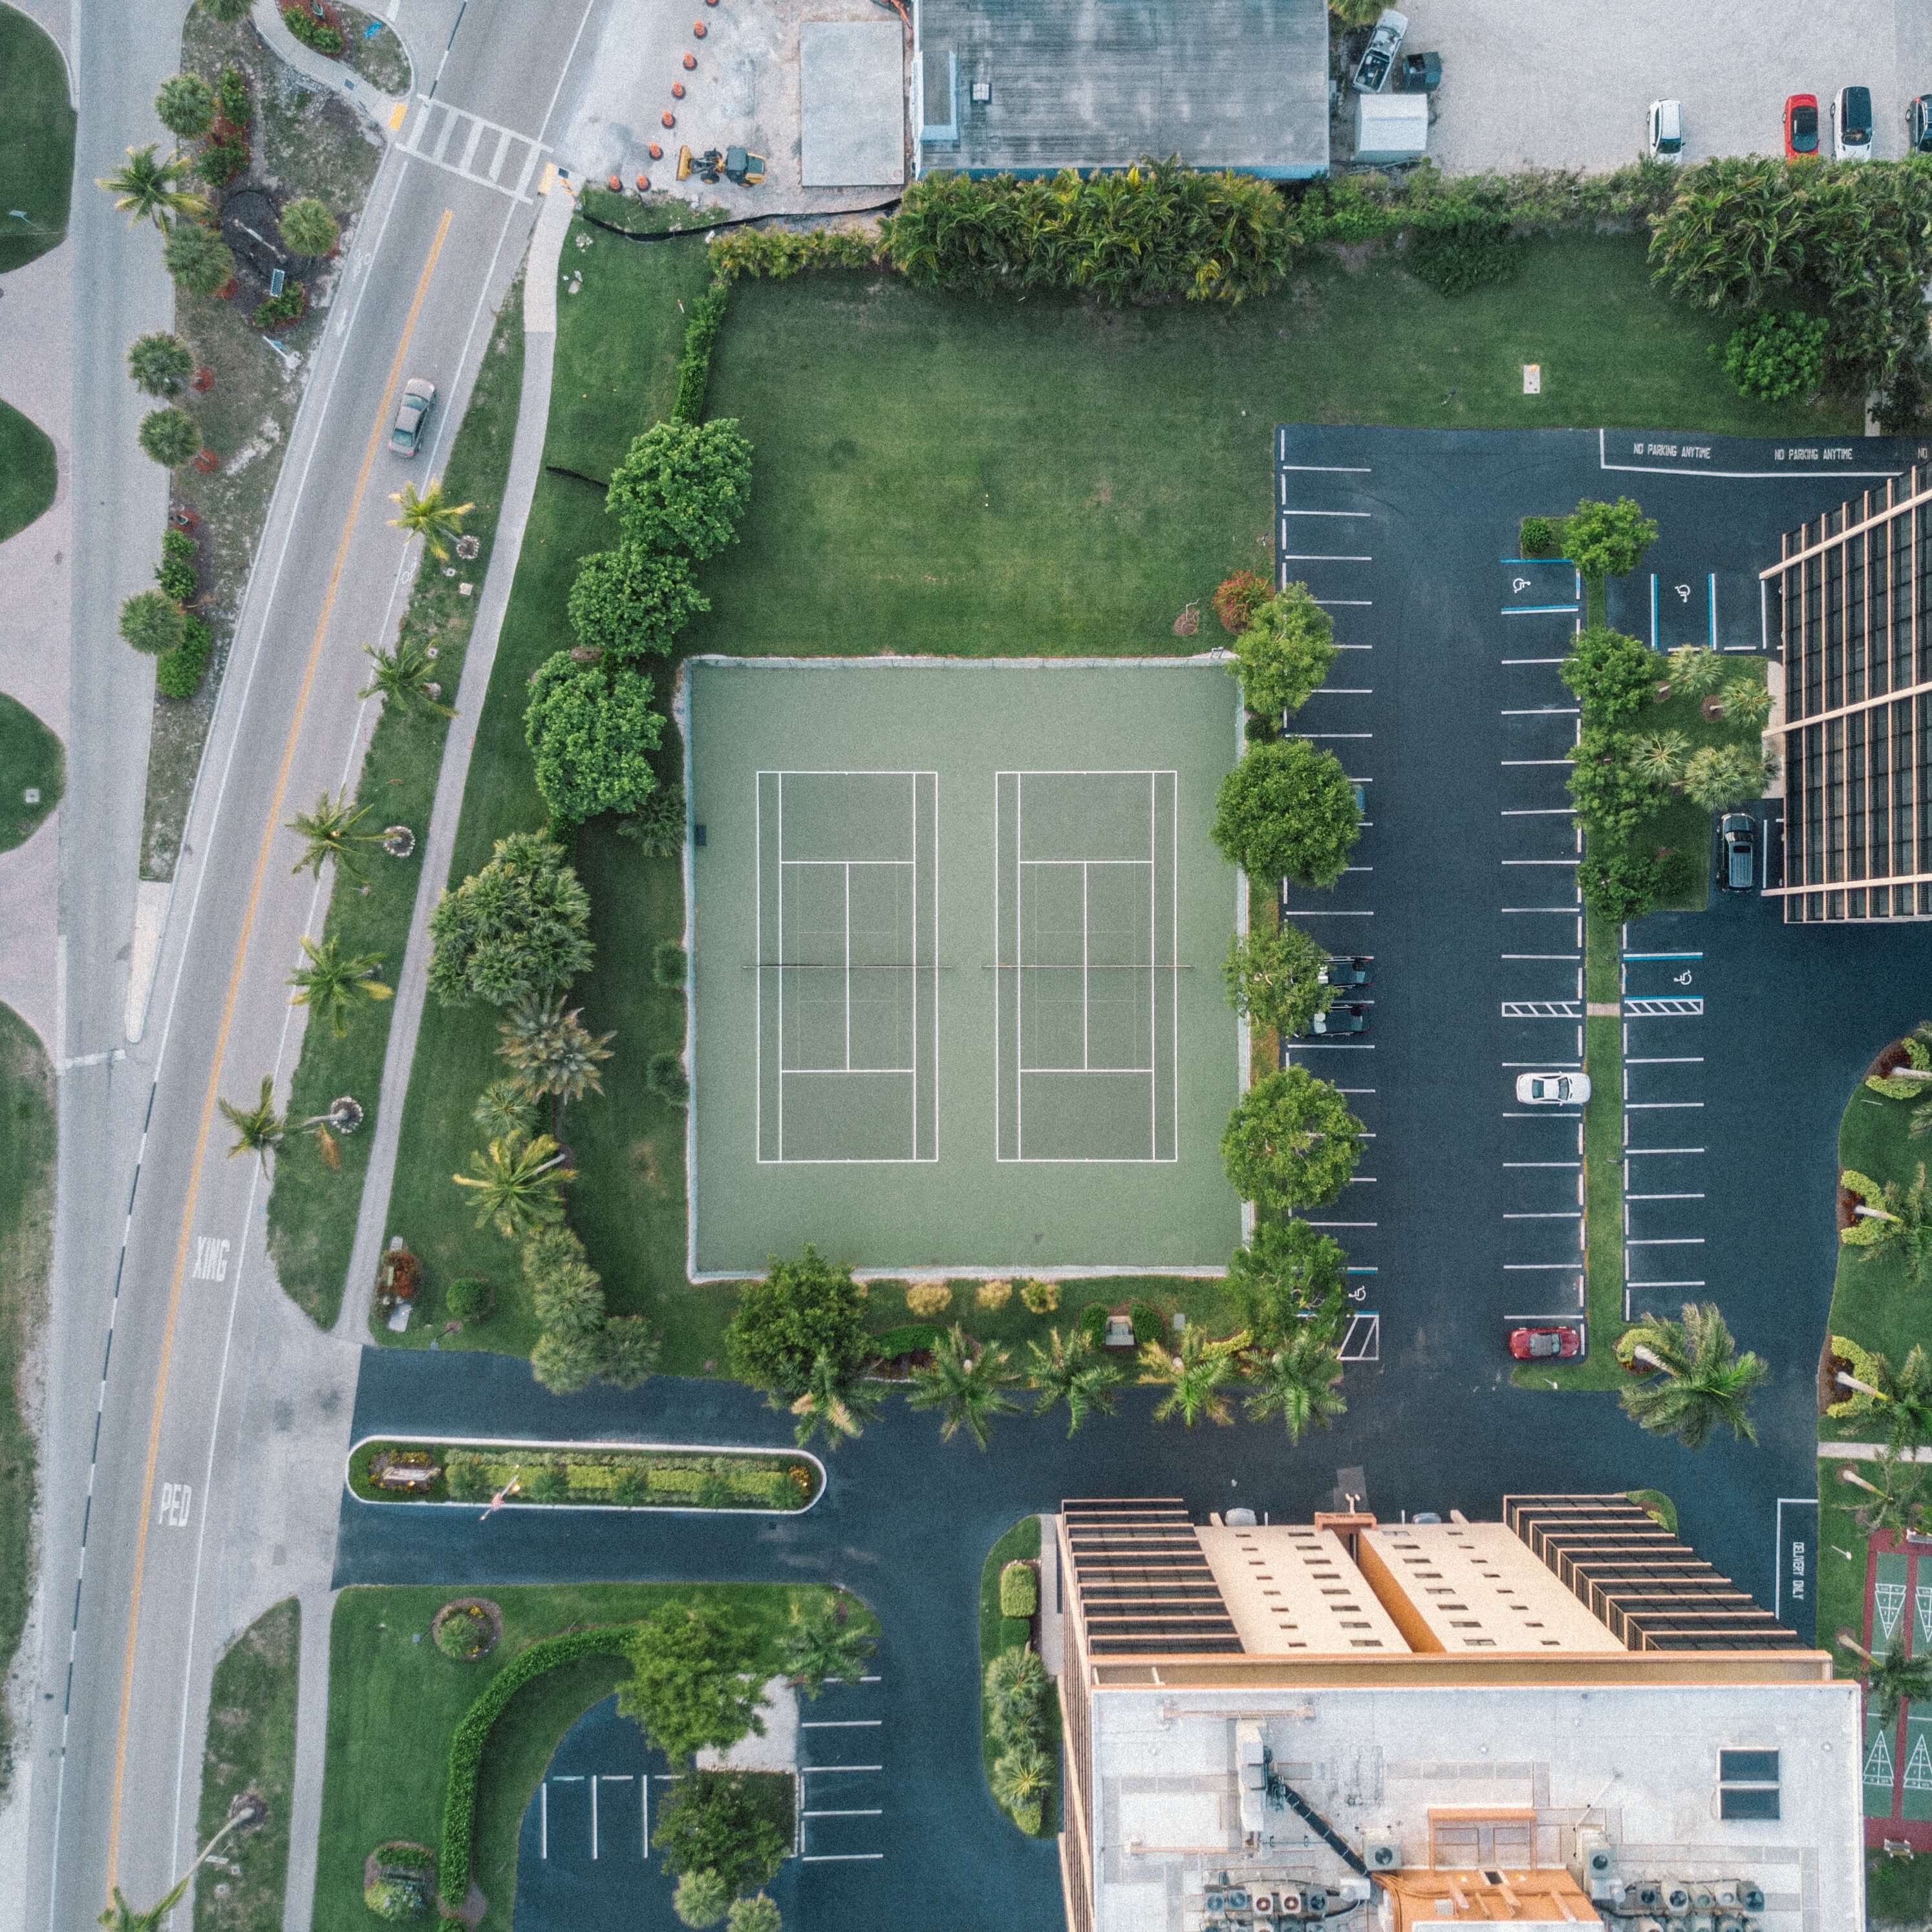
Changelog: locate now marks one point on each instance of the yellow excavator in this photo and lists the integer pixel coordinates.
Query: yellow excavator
(734, 164)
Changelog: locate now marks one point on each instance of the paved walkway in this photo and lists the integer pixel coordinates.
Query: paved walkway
(384, 111)
(526, 461)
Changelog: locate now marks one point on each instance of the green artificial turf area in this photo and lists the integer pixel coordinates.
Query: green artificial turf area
(31, 759)
(312, 1208)
(36, 145)
(26, 1249)
(394, 1699)
(28, 473)
(957, 474)
(251, 1747)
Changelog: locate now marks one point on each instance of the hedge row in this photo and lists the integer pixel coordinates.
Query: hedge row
(472, 1737)
(694, 366)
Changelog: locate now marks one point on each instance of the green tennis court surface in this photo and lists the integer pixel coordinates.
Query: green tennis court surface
(958, 929)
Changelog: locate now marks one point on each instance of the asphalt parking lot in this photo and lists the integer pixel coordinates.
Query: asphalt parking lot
(1570, 87)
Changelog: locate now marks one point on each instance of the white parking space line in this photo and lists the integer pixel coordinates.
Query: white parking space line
(1544, 711)
(1321, 557)
(1543, 1163)
(1659, 1106)
(826, 1770)
(1327, 513)
(1536, 761)
(1631, 1150)
(1565, 1216)
(1348, 604)
(1570, 958)
(1542, 862)
(1332, 469)
(1532, 661)
(839, 1858)
(1672, 1241)
(841, 1723)
(1663, 1197)
(876, 1812)
(1667, 1059)
(1541, 811)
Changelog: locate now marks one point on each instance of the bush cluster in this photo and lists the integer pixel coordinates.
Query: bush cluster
(178, 673)
(1148, 233)
(1369, 207)
(315, 35)
(284, 310)
(472, 1736)
(772, 254)
(1019, 1589)
(175, 572)
(701, 337)
(1777, 353)
(1015, 1691)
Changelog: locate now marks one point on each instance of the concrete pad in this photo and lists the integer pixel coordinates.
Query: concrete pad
(777, 1750)
(150, 919)
(851, 80)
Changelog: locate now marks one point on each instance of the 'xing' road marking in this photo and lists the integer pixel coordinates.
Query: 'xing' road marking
(271, 828)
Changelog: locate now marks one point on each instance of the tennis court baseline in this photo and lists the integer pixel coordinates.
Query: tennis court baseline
(1087, 1046)
(847, 926)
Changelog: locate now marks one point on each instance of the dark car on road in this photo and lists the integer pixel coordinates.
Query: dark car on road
(1918, 125)
(1737, 852)
(1547, 1342)
(1341, 1019)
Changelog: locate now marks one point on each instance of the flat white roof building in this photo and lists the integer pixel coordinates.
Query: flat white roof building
(1566, 1719)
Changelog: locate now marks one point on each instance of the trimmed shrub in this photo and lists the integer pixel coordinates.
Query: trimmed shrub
(992, 1295)
(773, 254)
(928, 1299)
(1237, 598)
(471, 1735)
(232, 97)
(702, 1899)
(160, 364)
(1466, 249)
(396, 1898)
(665, 1076)
(197, 259)
(461, 1634)
(1019, 1590)
(670, 964)
(178, 673)
(469, 1300)
(170, 435)
(658, 824)
(1777, 353)
(308, 228)
(185, 105)
(317, 35)
(701, 336)
(909, 1338)
(1040, 1298)
(174, 573)
(1540, 536)
(221, 161)
(284, 310)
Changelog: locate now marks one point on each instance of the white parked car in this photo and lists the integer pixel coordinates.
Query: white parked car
(1852, 124)
(1378, 61)
(1665, 138)
(1552, 1089)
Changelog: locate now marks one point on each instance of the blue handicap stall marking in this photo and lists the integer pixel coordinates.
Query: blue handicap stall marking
(1540, 587)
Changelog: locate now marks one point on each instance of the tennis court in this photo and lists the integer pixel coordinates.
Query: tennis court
(957, 929)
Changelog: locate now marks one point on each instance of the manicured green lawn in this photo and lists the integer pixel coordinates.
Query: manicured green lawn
(251, 1747)
(312, 1207)
(36, 145)
(394, 1700)
(26, 1248)
(31, 758)
(998, 1634)
(28, 473)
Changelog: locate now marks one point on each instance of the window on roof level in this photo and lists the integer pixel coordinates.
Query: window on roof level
(1747, 1785)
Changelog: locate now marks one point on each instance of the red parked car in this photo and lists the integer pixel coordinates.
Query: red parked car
(1801, 127)
(1561, 1341)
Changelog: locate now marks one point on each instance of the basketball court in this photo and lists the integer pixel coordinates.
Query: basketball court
(958, 927)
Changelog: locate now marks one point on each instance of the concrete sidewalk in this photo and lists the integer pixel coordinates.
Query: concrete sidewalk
(384, 111)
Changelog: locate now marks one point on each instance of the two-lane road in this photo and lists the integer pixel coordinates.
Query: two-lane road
(155, 1498)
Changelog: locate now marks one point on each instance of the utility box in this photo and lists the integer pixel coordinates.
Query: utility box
(1391, 128)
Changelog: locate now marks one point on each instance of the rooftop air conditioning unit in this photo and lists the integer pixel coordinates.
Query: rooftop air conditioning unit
(1646, 1895)
(1591, 1866)
(1314, 1902)
(1289, 1905)
(1382, 1851)
(1264, 1905)
(1750, 1894)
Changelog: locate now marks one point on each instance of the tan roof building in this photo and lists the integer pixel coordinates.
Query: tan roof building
(1566, 1718)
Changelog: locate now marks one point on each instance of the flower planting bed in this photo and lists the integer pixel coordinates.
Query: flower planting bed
(586, 1475)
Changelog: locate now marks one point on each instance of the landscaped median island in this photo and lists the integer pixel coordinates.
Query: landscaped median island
(583, 1475)
(1019, 1714)
(435, 1747)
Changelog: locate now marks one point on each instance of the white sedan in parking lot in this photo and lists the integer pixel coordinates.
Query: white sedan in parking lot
(1552, 1089)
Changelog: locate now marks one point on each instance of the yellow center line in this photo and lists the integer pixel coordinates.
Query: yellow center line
(207, 1102)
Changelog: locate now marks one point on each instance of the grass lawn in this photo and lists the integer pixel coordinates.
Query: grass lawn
(27, 470)
(31, 758)
(393, 1700)
(26, 1249)
(616, 359)
(312, 1208)
(36, 144)
(998, 1634)
(251, 1747)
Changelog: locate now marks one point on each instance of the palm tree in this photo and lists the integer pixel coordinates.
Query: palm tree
(1074, 1373)
(402, 676)
(1906, 1390)
(504, 1107)
(328, 832)
(159, 363)
(552, 1053)
(120, 1916)
(1022, 1776)
(833, 1403)
(331, 984)
(147, 188)
(967, 1382)
(825, 1646)
(1890, 1681)
(1897, 1501)
(1193, 1376)
(1905, 1216)
(1747, 699)
(1015, 1686)
(429, 514)
(1661, 756)
(259, 1129)
(1718, 777)
(1300, 1381)
(1697, 1380)
(519, 1185)
(1695, 669)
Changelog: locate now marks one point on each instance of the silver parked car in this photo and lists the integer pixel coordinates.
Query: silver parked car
(406, 433)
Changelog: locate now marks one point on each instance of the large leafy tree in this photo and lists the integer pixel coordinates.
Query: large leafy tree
(1288, 811)
(430, 514)
(1194, 1372)
(1274, 976)
(1292, 1142)
(333, 984)
(197, 258)
(1288, 1275)
(147, 187)
(713, 1822)
(1697, 1381)
(1073, 1372)
(591, 730)
(631, 601)
(1614, 792)
(1285, 652)
(1300, 1381)
(801, 1310)
(694, 1681)
(159, 363)
(517, 929)
(1605, 539)
(966, 1382)
(518, 1185)
(684, 487)
(1612, 676)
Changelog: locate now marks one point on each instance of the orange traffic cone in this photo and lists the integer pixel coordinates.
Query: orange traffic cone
(657, 152)
(668, 118)
(677, 90)
(690, 62)
(643, 183)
